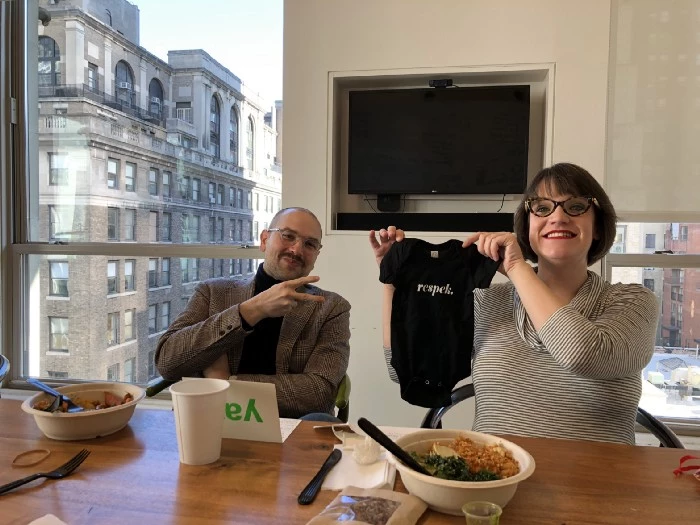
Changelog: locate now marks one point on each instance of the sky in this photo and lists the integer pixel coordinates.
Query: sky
(244, 36)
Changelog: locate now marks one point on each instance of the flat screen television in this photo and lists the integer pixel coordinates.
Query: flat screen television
(458, 140)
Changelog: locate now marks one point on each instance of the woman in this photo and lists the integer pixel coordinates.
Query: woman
(558, 351)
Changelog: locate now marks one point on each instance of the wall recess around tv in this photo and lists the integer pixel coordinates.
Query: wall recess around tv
(458, 140)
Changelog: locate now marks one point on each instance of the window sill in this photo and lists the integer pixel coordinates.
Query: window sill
(121, 345)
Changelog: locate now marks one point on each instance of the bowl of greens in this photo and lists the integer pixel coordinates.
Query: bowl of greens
(465, 466)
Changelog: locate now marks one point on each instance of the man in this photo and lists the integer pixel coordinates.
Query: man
(276, 328)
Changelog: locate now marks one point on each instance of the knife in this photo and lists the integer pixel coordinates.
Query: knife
(309, 493)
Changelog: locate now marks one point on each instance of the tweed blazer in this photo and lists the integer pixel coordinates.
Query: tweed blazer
(312, 352)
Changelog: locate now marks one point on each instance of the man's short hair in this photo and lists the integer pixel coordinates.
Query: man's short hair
(284, 211)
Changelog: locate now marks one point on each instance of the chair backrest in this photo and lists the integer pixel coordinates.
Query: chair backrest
(666, 436)
(342, 399)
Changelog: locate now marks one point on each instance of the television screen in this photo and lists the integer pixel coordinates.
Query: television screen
(470, 140)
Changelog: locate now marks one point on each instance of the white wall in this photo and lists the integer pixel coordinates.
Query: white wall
(321, 36)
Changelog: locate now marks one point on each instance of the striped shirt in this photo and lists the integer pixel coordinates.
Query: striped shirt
(579, 377)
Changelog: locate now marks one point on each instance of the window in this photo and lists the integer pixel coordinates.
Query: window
(153, 226)
(255, 230)
(129, 266)
(49, 62)
(152, 273)
(185, 188)
(165, 315)
(190, 270)
(220, 195)
(250, 144)
(212, 229)
(237, 230)
(257, 201)
(129, 316)
(112, 283)
(166, 184)
(212, 191)
(152, 318)
(155, 99)
(650, 241)
(196, 189)
(233, 136)
(129, 370)
(184, 111)
(112, 224)
(196, 228)
(249, 200)
(683, 233)
(130, 176)
(93, 82)
(214, 145)
(165, 272)
(231, 197)
(58, 274)
(220, 229)
(112, 328)
(649, 283)
(113, 372)
(186, 237)
(59, 223)
(167, 227)
(124, 85)
(129, 225)
(58, 169)
(153, 181)
(239, 203)
(151, 364)
(58, 336)
(112, 173)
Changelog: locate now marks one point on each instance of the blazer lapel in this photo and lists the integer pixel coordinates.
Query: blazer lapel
(292, 325)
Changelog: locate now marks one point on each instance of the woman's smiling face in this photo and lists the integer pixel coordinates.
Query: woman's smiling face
(559, 238)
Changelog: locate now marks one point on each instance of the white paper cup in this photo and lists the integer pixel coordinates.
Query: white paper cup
(199, 405)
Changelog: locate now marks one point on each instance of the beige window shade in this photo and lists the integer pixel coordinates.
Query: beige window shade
(653, 138)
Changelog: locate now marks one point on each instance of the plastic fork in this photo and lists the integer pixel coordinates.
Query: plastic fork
(71, 407)
(61, 472)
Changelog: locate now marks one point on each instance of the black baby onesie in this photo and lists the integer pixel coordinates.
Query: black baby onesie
(432, 315)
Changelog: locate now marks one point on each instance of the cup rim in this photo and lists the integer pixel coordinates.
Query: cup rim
(494, 506)
(218, 385)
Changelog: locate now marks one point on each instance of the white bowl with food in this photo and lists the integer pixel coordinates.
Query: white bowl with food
(459, 454)
(108, 408)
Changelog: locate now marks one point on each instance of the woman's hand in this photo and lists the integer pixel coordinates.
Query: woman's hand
(387, 237)
(501, 246)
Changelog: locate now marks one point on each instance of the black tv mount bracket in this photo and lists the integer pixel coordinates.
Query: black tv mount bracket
(440, 82)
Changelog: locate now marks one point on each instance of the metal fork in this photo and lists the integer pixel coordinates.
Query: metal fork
(61, 472)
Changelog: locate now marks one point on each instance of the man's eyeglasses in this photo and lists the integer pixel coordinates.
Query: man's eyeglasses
(291, 237)
(573, 206)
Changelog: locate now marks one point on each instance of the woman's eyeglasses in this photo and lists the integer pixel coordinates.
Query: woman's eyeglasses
(573, 206)
(291, 237)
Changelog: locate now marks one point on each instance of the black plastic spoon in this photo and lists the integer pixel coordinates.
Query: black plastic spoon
(385, 441)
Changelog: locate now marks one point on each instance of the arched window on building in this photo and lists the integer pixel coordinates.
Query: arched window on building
(49, 62)
(214, 128)
(155, 99)
(250, 143)
(233, 135)
(124, 84)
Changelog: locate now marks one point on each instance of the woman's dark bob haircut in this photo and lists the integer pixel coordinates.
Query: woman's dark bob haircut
(573, 180)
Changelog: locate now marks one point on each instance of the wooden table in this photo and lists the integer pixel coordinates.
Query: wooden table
(134, 476)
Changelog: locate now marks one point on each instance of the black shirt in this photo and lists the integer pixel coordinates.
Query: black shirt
(260, 347)
(432, 315)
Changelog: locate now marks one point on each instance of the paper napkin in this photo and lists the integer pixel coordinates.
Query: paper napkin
(380, 474)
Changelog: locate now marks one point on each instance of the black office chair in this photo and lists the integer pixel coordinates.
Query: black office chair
(666, 436)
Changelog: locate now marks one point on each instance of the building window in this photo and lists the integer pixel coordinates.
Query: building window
(238, 228)
(112, 224)
(249, 200)
(255, 230)
(214, 128)
(239, 203)
(93, 81)
(684, 233)
(112, 173)
(151, 364)
(129, 266)
(167, 227)
(183, 111)
(212, 229)
(130, 176)
(112, 282)
(153, 181)
(650, 241)
(129, 225)
(220, 196)
(153, 226)
(58, 272)
(250, 144)
(49, 62)
(152, 273)
(152, 318)
(212, 191)
(165, 315)
(58, 337)
(112, 328)
(113, 372)
(190, 270)
(220, 229)
(124, 84)
(196, 189)
(233, 136)
(166, 184)
(185, 188)
(196, 228)
(129, 370)
(165, 272)
(257, 201)
(155, 99)
(231, 197)
(649, 283)
(129, 316)
(58, 169)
